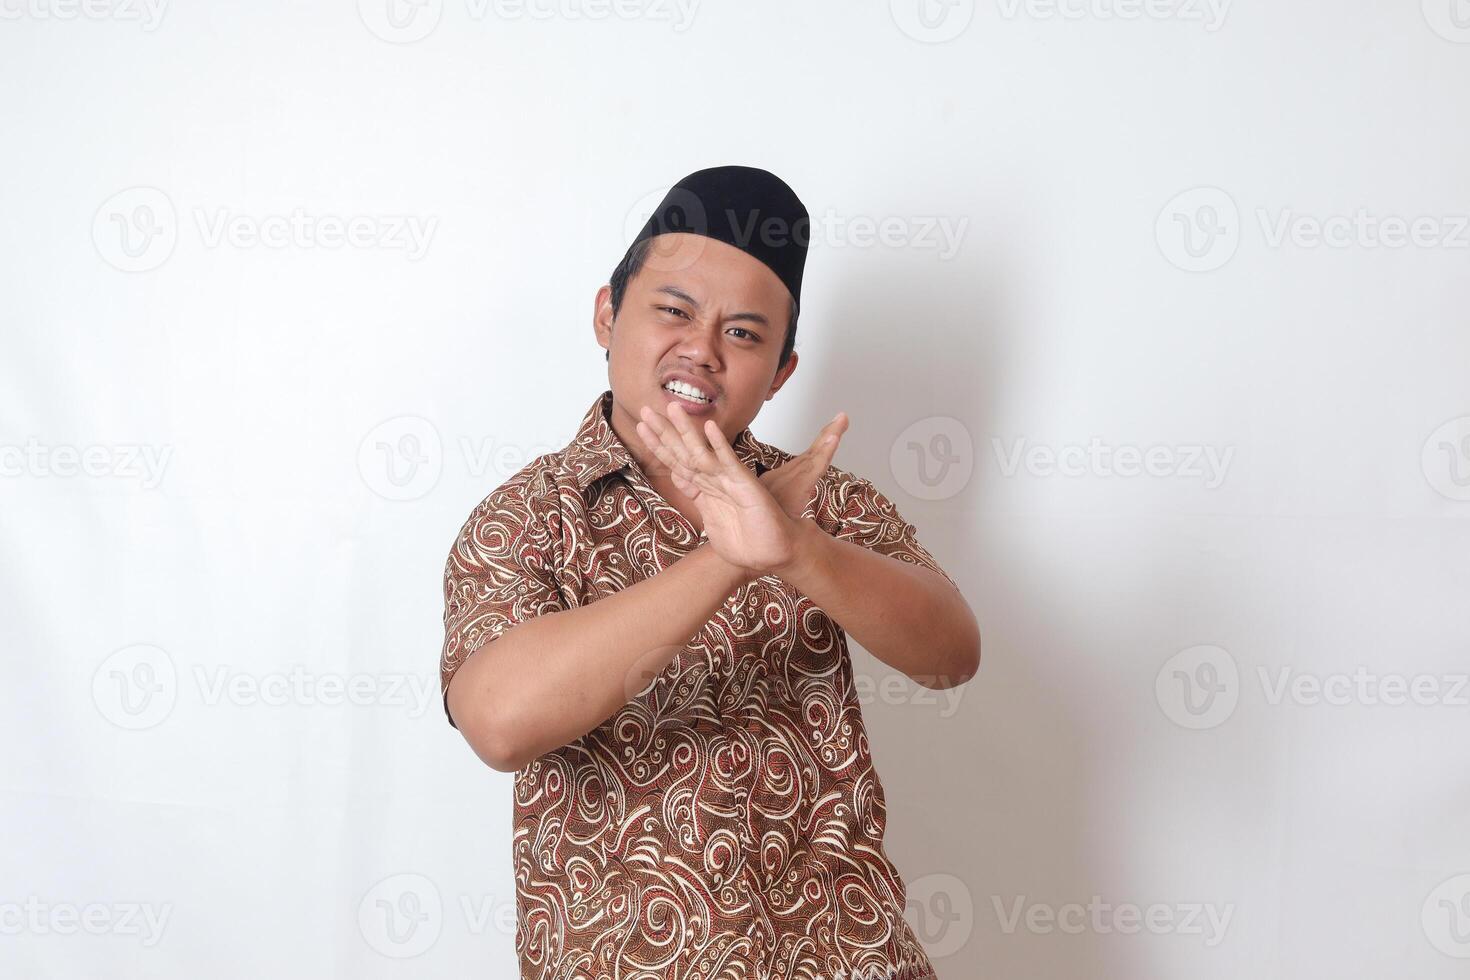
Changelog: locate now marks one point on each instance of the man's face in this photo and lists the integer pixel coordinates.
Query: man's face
(704, 312)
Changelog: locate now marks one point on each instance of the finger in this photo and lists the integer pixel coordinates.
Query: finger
(668, 438)
(824, 437)
(825, 446)
(697, 453)
(671, 452)
(651, 441)
(655, 420)
(723, 451)
(660, 450)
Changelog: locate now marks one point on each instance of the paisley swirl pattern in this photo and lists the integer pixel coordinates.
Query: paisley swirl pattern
(727, 822)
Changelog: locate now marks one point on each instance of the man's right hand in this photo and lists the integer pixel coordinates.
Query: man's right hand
(794, 482)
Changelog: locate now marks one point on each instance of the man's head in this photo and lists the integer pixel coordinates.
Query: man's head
(632, 264)
(709, 292)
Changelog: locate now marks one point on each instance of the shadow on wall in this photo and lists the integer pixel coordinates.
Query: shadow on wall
(986, 785)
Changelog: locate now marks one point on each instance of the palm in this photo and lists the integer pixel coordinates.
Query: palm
(743, 522)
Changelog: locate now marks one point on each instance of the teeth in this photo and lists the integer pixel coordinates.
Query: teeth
(688, 391)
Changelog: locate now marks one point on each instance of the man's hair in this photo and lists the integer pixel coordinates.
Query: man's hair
(633, 261)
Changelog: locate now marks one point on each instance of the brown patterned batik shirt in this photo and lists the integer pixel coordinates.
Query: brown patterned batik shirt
(727, 822)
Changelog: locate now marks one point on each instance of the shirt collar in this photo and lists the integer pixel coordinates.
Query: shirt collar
(596, 450)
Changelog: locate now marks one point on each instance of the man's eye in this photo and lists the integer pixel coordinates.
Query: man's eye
(673, 309)
(746, 332)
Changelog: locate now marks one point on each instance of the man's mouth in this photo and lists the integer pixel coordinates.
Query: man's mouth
(687, 392)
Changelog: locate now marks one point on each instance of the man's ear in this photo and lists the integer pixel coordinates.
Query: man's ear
(602, 318)
(782, 375)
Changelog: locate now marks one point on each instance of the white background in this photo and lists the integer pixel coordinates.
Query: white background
(1132, 193)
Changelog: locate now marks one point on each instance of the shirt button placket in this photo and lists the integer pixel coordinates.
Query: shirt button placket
(762, 931)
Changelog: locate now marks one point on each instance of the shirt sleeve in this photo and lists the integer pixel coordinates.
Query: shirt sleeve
(501, 572)
(866, 517)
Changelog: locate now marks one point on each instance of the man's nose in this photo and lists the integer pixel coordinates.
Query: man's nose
(699, 345)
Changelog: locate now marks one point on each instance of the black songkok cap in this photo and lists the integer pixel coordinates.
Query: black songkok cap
(749, 208)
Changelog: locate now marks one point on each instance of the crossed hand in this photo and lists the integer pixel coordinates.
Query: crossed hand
(752, 522)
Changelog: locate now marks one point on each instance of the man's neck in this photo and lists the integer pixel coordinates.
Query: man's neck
(625, 427)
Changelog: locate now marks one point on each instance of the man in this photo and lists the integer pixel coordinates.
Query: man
(649, 626)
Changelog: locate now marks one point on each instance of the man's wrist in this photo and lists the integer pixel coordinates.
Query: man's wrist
(735, 576)
(806, 552)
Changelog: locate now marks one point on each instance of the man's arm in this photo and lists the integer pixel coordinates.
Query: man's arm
(907, 616)
(552, 679)
(910, 617)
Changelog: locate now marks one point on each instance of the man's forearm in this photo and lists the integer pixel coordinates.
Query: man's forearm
(552, 679)
(907, 616)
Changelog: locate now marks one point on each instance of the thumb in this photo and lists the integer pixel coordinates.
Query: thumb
(826, 445)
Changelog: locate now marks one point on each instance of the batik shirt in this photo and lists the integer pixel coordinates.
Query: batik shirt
(727, 821)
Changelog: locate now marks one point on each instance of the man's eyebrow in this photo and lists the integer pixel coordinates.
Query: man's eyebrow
(679, 294)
